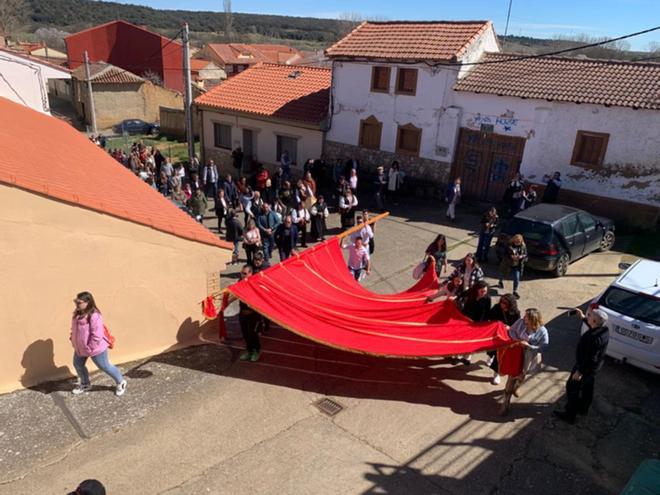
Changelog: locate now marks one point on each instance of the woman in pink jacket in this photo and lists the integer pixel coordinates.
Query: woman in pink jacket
(88, 340)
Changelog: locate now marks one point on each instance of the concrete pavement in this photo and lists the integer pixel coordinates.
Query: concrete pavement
(199, 421)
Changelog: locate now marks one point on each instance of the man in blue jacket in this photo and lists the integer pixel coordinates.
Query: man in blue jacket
(267, 221)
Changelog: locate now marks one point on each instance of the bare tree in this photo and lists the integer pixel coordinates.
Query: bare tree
(228, 20)
(12, 15)
(614, 49)
(153, 77)
(350, 20)
(53, 37)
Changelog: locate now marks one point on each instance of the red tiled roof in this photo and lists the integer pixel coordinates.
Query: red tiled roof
(601, 82)
(105, 73)
(197, 64)
(65, 165)
(239, 53)
(287, 92)
(410, 41)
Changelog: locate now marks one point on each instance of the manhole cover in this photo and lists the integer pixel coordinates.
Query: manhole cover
(328, 406)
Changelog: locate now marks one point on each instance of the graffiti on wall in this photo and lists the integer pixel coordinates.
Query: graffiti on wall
(500, 124)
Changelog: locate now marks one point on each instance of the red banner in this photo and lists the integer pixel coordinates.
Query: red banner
(314, 295)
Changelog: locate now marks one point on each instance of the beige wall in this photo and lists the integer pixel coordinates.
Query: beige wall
(310, 141)
(116, 102)
(148, 285)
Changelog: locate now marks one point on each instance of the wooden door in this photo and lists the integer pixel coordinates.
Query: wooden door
(486, 163)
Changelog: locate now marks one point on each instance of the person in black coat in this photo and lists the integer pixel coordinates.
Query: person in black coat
(505, 310)
(286, 236)
(589, 357)
(231, 192)
(234, 232)
(476, 307)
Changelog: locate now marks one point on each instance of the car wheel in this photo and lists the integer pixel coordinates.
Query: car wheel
(607, 241)
(562, 265)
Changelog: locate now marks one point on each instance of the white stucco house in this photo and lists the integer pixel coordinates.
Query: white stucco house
(265, 110)
(440, 98)
(597, 122)
(391, 83)
(24, 79)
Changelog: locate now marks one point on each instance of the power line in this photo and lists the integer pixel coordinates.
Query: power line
(556, 52)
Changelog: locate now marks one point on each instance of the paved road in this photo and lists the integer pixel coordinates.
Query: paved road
(199, 421)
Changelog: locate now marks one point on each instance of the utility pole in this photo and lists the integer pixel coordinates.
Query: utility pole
(89, 93)
(187, 100)
(508, 15)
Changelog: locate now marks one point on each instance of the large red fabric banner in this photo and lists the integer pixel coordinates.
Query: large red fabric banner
(314, 295)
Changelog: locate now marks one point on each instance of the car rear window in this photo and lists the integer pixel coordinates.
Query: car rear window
(639, 306)
(529, 229)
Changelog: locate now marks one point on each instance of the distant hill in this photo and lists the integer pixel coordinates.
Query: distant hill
(302, 32)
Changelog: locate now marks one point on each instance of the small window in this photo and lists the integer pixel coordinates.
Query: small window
(406, 81)
(589, 149)
(222, 136)
(408, 138)
(370, 132)
(289, 144)
(587, 221)
(569, 226)
(380, 79)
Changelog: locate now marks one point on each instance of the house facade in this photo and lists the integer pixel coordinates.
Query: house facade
(27, 80)
(596, 122)
(266, 110)
(391, 86)
(75, 220)
(119, 95)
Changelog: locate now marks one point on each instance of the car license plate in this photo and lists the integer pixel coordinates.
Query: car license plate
(631, 334)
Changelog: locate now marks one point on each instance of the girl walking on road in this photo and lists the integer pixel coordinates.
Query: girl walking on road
(88, 340)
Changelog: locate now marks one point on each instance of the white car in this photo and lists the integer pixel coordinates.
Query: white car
(632, 303)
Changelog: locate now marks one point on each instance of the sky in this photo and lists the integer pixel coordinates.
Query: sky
(536, 18)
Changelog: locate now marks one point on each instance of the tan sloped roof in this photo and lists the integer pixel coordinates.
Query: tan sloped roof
(601, 82)
(410, 41)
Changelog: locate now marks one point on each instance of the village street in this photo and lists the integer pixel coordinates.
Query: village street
(200, 421)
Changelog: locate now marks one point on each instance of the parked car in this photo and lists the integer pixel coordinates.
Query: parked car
(632, 304)
(137, 126)
(557, 235)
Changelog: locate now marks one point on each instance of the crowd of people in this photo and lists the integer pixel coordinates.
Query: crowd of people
(269, 212)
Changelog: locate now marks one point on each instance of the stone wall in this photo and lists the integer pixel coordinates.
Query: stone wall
(424, 177)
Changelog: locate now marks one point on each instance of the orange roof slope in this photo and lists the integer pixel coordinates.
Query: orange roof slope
(287, 92)
(410, 41)
(240, 53)
(45, 155)
(105, 73)
(601, 82)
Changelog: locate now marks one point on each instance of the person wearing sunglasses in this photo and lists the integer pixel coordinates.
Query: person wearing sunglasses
(88, 340)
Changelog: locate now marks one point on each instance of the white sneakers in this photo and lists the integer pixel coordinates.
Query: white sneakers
(81, 389)
(496, 379)
(121, 388)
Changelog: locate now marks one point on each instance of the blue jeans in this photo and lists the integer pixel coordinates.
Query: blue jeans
(515, 270)
(101, 361)
(268, 244)
(484, 246)
(356, 272)
(236, 244)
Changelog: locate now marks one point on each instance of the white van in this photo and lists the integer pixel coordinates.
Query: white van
(632, 303)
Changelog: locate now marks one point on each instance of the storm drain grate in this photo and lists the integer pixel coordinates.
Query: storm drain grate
(328, 406)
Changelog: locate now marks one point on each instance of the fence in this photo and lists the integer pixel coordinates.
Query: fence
(173, 122)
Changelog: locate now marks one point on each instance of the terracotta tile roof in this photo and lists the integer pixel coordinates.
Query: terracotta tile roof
(240, 53)
(410, 41)
(287, 92)
(105, 73)
(601, 82)
(197, 64)
(65, 165)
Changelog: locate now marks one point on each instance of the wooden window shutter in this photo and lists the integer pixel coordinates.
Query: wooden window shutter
(370, 133)
(589, 149)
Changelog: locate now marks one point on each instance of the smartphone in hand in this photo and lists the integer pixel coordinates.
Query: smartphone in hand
(572, 312)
